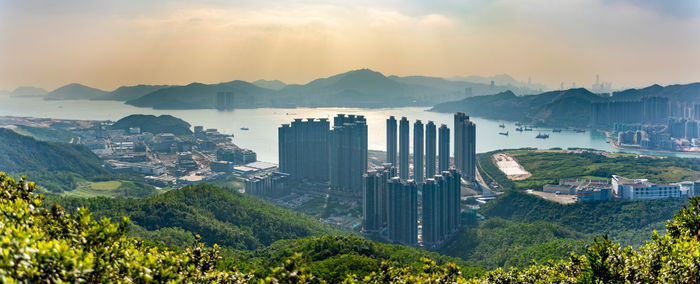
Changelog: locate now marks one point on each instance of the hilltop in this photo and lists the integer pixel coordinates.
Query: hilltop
(125, 93)
(74, 92)
(564, 108)
(154, 124)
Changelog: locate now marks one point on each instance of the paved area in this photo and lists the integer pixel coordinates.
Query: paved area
(559, 198)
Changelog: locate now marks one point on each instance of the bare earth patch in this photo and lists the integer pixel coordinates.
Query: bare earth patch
(509, 166)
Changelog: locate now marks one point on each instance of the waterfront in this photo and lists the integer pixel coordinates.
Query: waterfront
(262, 124)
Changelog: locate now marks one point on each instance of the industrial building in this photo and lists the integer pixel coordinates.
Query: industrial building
(642, 189)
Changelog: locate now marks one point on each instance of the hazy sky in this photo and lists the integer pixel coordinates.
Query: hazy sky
(124, 42)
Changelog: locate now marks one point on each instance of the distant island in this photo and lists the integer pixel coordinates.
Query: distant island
(567, 108)
(356, 88)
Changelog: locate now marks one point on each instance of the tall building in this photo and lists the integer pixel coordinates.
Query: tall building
(224, 100)
(391, 145)
(375, 198)
(444, 149)
(348, 152)
(402, 221)
(465, 146)
(403, 148)
(430, 149)
(432, 217)
(372, 202)
(303, 149)
(441, 207)
(418, 174)
(656, 110)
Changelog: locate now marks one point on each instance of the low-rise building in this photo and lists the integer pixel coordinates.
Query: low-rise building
(585, 190)
(273, 184)
(642, 189)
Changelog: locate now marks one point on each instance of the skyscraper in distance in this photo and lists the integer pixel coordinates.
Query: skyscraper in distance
(444, 149)
(348, 152)
(465, 146)
(403, 148)
(391, 145)
(430, 149)
(418, 144)
(402, 222)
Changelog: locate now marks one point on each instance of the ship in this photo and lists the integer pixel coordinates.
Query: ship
(528, 129)
(245, 128)
(502, 125)
(542, 136)
(579, 130)
(519, 129)
(503, 133)
(556, 130)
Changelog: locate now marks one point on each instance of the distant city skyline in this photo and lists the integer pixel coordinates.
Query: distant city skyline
(106, 44)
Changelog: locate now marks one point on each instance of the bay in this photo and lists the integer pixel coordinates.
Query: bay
(263, 123)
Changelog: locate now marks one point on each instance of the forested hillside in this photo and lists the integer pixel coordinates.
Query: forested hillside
(628, 222)
(217, 215)
(58, 165)
(52, 245)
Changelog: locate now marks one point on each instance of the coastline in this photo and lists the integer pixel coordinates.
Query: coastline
(640, 149)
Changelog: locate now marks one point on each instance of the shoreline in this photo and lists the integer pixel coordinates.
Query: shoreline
(615, 146)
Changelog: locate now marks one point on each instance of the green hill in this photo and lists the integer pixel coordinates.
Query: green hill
(564, 108)
(53, 245)
(28, 91)
(74, 92)
(59, 165)
(219, 216)
(125, 93)
(626, 222)
(154, 124)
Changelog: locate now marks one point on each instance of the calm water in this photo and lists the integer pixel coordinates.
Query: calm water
(263, 123)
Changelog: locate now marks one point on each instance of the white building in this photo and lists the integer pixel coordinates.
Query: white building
(642, 189)
(688, 188)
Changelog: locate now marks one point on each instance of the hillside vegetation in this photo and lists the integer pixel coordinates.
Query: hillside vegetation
(154, 124)
(63, 168)
(52, 245)
(628, 222)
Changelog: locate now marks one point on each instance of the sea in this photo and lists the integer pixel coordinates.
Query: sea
(262, 124)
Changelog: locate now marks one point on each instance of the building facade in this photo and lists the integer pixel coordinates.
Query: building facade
(465, 146)
(418, 148)
(430, 149)
(391, 142)
(402, 221)
(444, 148)
(642, 189)
(348, 152)
(403, 148)
(304, 149)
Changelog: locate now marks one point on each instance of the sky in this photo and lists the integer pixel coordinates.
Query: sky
(109, 43)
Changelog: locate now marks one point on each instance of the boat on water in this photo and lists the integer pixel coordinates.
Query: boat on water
(518, 124)
(503, 133)
(542, 136)
(579, 130)
(556, 130)
(502, 125)
(528, 129)
(245, 128)
(519, 129)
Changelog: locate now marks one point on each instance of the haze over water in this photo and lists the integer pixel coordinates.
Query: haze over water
(263, 123)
